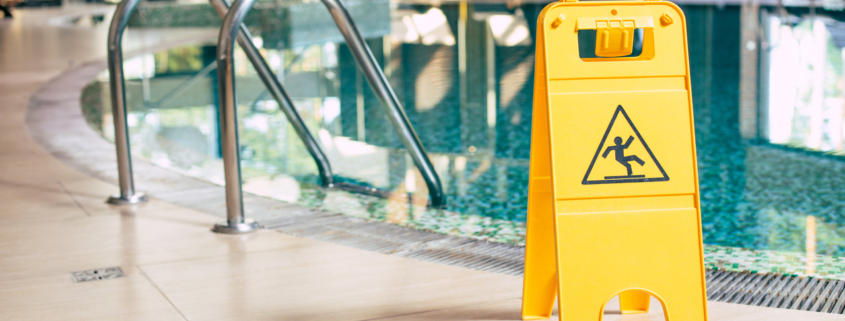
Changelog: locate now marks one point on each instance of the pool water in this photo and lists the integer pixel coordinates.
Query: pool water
(464, 73)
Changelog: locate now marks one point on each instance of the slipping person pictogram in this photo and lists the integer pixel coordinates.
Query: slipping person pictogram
(605, 171)
(619, 148)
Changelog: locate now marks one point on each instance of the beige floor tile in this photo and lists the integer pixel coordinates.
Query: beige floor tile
(57, 297)
(19, 148)
(34, 165)
(29, 203)
(510, 310)
(91, 195)
(35, 214)
(33, 250)
(319, 281)
(501, 310)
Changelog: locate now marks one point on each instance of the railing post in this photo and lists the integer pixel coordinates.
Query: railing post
(381, 87)
(127, 195)
(235, 222)
(281, 96)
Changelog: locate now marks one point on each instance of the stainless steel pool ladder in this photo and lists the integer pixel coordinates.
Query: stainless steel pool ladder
(232, 26)
(232, 23)
(128, 195)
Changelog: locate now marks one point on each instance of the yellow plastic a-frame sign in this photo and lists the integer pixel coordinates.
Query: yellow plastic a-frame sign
(613, 205)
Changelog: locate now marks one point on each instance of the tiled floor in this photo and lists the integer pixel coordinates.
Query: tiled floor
(53, 221)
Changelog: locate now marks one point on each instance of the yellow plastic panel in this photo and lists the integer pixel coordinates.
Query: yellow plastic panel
(666, 60)
(540, 274)
(600, 256)
(600, 205)
(587, 159)
(565, 86)
(613, 190)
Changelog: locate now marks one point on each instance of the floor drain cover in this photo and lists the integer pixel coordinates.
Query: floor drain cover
(777, 291)
(98, 274)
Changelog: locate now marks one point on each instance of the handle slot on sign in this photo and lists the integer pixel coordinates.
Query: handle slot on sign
(589, 43)
(600, 39)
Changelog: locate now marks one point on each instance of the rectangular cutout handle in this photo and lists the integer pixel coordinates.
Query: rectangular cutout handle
(612, 37)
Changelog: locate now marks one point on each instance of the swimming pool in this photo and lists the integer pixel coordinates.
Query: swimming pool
(464, 72)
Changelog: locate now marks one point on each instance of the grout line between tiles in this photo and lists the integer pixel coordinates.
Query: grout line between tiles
(435, 310)
(74, 199)
(140, 270)
(217, 256)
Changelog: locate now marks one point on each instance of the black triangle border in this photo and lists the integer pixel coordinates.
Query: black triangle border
(640, 137)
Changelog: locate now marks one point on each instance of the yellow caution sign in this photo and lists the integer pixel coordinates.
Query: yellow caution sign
(613, 205)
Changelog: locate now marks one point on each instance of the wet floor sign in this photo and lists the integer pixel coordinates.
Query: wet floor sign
(613, 205)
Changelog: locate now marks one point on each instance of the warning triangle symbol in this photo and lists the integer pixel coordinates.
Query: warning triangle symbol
(623, 156)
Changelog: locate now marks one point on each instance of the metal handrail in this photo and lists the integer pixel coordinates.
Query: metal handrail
(127, 195)
(232, 24)
(280, 94)
(381, 87)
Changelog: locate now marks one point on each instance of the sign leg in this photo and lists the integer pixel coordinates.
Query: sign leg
(634, 302)
(540, 280)
(540, 272)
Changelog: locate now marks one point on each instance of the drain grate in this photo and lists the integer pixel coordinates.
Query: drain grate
(776, 291)
(759, 289)
(402, 241)
(98, 274)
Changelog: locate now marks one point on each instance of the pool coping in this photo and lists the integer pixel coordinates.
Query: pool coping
(55, 120)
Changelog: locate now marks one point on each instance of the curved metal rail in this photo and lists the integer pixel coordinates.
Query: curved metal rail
(280, 94)
(381, 87)
(128, 195)
(229, 120)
